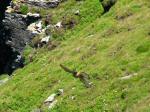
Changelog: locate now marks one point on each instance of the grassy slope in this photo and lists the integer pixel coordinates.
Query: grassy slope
(109, 48)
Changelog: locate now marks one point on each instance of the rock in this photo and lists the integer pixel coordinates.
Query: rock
(58, 25)
(14, 36)
(77, 12)
(9, 10)
(35, 15)
(90, 35)
(31, 28)
(39, 26)
(36, 28)
(50, 99)
(73, 88)
(52, 104)
(73, 97)
(13, 39)
(128, 76)
(60, 91)
(45, 40)
(44, 3)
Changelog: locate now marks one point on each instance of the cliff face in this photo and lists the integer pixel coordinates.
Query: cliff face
(4, 49)
(12, 41)
(4, 4)
(13, 38)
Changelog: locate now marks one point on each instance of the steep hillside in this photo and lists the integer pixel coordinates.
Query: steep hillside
(112, 47)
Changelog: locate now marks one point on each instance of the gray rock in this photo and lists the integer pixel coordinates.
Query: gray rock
(44, 3)
(13, 39)
(45, 40)
(58, 25)
(77, 12)
(60, 91)
(50, 99)
(52, 104)
(128, 76)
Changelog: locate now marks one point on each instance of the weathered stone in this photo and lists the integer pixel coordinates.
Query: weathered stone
(44, 3)
(45, 40)
(50, 99)
(13, 39)
(77, 12)
(128, 76)
(60, 92)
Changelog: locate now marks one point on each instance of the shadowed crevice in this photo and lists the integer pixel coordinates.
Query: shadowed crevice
(13, 39)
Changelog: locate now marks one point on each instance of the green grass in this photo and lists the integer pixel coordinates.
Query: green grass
(105, 47)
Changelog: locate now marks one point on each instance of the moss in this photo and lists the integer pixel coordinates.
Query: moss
(24, 9)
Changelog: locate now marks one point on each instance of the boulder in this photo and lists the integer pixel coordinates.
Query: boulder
(58, 25)
(44, 3)
(77, 12)
(45, 40)
(36, 28)
(49, 101)
(13, 39)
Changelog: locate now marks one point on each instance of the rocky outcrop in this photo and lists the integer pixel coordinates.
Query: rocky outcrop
(44, 3)
(3, 5)
(13, 38)
(15, 32)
